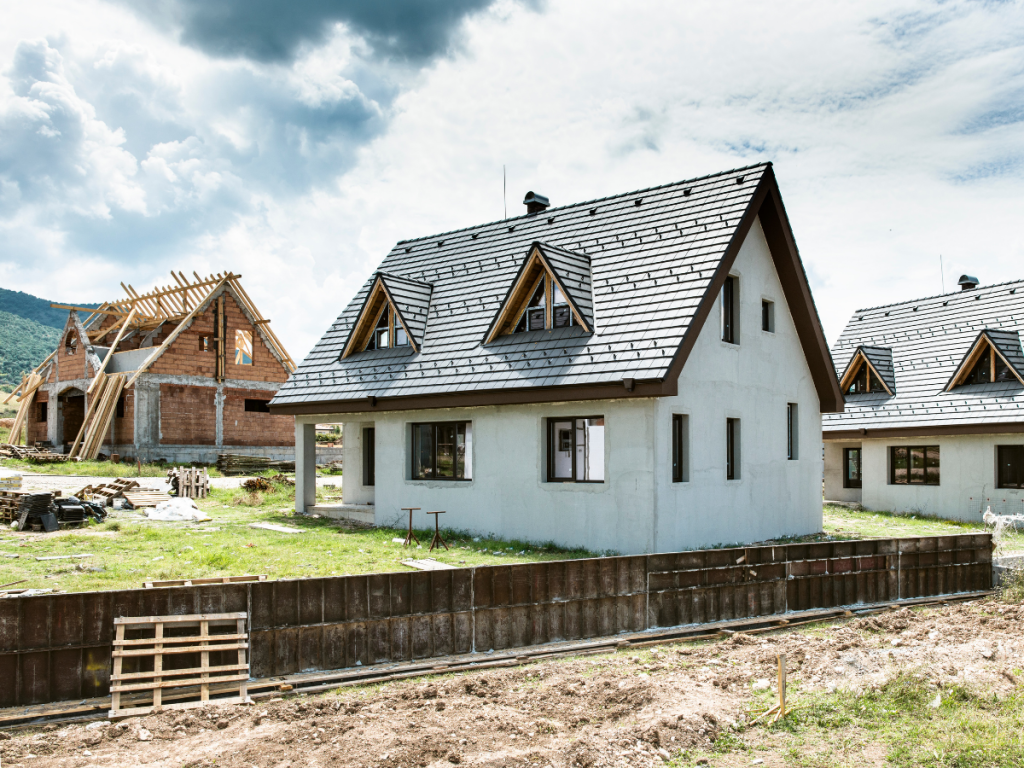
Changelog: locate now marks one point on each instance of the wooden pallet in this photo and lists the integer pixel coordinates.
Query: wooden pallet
(205, 580)
(192, 482)
(107, 490)
(192, 679)
(145, 498)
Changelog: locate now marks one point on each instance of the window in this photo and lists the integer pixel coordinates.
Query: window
(388, 327)
(914, 466)
(442, 451)
(864, 381)
(369, 456)
(41, 416)
(767, 315)
(732, 449)
(257, 406)
(1011, 466)
(561, 314)
(243, 347)
(990, 367)
(730, 299)
(120, 407)
(680, 448)
(792, 432)
(576, 450)
(71, 344)
(851, 467)
(535, 315)
(204, 343)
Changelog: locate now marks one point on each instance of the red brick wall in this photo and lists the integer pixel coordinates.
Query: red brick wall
(124, 427)
(70, 366)
(184, 357)
(243, 427)
(188, 415)
(36, 428)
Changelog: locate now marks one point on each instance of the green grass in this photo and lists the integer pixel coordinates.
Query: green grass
(845, 523)
(127, 551)
(97, 468)
(968, 728)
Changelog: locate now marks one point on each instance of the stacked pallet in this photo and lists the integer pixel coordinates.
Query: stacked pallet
(145, 497)
(189, 482)
(12, 502)
(237, 464)
(39, 455)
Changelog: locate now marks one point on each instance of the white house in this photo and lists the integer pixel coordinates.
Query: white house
(640, 373)
(934, 419)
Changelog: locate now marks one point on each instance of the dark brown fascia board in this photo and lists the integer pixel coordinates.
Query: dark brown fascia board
(523, 396)
(948, 430)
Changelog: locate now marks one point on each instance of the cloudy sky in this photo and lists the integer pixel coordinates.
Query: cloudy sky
(296, 142)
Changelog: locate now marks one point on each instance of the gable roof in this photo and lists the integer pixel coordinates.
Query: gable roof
(929, 339)
(411, 301)
(879, 359)
(658, 259)
(1007, 347)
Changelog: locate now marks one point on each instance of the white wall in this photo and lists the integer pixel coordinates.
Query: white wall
(967, 478)
(753, 381)
(834, 473)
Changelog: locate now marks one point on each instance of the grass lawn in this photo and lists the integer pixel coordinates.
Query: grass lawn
(97, 468)
(127, 550)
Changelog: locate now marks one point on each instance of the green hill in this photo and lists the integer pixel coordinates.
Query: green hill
(24, 344)
(33, 308)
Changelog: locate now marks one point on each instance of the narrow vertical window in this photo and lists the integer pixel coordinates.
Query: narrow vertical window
(243, 347)
(729, 297)
(767, 316)
(792, 432)
(576, 450)
(42, 412)
(851, 467)
(680, 448)
(369, 456)
(732, 449)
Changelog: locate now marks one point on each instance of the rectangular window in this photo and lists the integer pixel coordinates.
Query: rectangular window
(680, 448)
(369, 456)
(730, 332)
(257, 406)
(42, 412)
(442, 451)
(732, 449)
(204, 343)
(914, 465)
(120, 407)
(243, 347)
(1011, 465)
(792, 432)
(851, 467)
(767, 315)
(576, 450)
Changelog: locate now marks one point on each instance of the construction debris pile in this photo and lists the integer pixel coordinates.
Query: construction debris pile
(38, 454)
(189, 482)
(46, 511)
(237, 464)
(134, 496)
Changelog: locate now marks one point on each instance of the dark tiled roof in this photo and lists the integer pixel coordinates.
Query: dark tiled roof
(928, 339)
(412, 300)
(573, 272)
(1008, 344)
(650, 265)
(881, 359)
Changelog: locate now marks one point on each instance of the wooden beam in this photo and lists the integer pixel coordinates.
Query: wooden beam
(89, 309)
(110, 352)
(85, 422)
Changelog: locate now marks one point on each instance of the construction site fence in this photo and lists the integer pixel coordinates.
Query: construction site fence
(58, 647)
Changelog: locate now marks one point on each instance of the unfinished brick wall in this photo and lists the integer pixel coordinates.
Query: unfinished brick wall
(185, 355)
(70, 366)
(243, 427)
(36, 428)
(188, 415)
(124, 426)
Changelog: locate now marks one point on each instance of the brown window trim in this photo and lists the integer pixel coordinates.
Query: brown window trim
(680, 447)
(853, 482)
(1013, 477)
(927, 449)
(433, 466)
(370, 456)
(732, 453)
(551, 477)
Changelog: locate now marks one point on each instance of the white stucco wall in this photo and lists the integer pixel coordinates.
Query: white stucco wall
(638, 508)
(834, 490)
(753, 381)
(967, 478)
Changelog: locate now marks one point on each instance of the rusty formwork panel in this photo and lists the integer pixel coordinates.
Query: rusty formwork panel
(57, 647)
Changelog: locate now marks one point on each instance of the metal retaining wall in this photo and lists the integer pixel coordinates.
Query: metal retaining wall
(57, 647)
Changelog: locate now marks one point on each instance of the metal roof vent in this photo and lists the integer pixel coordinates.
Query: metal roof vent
(535, 203)
(967, 282)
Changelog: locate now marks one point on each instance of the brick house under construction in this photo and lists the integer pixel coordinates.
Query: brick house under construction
(181, 373)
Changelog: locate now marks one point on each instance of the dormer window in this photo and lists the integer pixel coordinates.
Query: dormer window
(994, 358)
(534, 316)
(864, 381)
(385, 333)
(989, 368)
(561, 313)
(870, 372)
(393, 315)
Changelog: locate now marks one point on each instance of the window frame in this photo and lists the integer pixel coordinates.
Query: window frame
(732, 448)
(767, 315)
(680, 447)
(926, 451)
(850, 482)
(43, 412)
(264, 408)
(1019, 470)
(729, 303)
(467, 432)
(549, 428)
(792, 431)
(240, 351)
(369, 456)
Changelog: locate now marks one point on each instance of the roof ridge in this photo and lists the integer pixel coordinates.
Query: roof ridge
(972, 292)
(765, 164)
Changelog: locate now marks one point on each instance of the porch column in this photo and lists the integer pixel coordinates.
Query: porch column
(305, 466)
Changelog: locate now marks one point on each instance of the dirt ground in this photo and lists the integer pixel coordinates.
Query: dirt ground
(631, 708)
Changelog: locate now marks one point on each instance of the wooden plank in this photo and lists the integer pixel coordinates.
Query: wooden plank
(194, 618)
(113, 348)
(185, 649)
(158, 685)
(93, 403)
(137, 711)
(115, 698)
(184, 639)
(173, 672)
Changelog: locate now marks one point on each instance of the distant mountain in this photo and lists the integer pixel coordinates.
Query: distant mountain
(33, 308)
(24, 343)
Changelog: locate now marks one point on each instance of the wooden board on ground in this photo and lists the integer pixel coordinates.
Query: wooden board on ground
(428, 565)
(167, 636)
(109, 490)
(278, 528)
(145, 498)
(204, 580)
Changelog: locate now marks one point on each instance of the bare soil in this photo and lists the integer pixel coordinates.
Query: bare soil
(631, 708)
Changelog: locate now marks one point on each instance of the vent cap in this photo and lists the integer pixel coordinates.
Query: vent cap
(967, 282)
(535, 203)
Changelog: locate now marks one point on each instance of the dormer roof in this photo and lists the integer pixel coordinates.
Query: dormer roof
(1006, 345)
(879, 360)
(657, 261)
